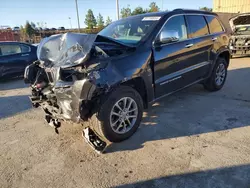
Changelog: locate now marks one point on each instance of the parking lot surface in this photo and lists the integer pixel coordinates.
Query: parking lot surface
(193, 138)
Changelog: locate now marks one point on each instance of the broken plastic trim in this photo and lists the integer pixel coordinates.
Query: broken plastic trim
(94, 140)
(55, 123)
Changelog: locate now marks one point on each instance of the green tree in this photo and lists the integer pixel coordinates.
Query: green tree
(153, 7)
(100, 21)
(33, 25)
(22, 33)
(90, 20)
(206, 9)
(138, 10)
(29, 31)
(40, 24)
(108, 21)
(126, 12)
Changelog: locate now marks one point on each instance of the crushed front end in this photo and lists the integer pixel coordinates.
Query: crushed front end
(239, 43)
(60, 81)
(69, 80)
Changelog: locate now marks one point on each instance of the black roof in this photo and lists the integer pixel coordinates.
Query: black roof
(194, 11)
(177, 11)
(13, 42)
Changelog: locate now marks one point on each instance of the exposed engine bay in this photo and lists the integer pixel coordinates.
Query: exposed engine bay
(239, 43)
(72, 76)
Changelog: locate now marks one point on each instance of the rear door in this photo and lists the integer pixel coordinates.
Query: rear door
(217, 35)
(26, 55)
(203, 45)
(13, 59)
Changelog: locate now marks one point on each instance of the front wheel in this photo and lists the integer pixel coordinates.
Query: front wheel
(218, 77)
(120, 115)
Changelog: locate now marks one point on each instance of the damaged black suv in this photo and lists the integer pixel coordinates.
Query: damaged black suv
(105, 81)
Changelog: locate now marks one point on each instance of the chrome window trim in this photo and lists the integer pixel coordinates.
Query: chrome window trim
(186, 14)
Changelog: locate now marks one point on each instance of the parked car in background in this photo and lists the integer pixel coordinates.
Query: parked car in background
(239, 43)
(16, 29)
(61, 29)
(46, 29)
(108, 79)
(53, 29)
(14, 57)
(35, 44)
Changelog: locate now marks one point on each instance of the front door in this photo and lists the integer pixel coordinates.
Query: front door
(173, 59)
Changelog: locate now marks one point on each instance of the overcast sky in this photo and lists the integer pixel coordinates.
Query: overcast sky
(56, 13)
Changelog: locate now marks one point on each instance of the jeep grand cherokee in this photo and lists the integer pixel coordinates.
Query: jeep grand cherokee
(105, 81)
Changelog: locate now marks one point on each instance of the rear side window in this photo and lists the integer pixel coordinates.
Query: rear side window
(25, 49)
(176, 25)
(197, 26)
(214, 24)
(9, 49)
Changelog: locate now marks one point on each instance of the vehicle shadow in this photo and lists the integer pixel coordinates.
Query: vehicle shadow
(15, 83)
(194, 111)
(11, 105)
(236, 176)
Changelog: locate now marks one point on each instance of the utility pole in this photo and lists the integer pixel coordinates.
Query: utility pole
(70, 22)
(77, 16)
(117, 9)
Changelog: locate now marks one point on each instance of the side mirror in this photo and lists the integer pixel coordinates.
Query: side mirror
(169, 36)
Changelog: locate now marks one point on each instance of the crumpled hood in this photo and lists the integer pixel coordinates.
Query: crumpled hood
(241, 19)
(65, 50)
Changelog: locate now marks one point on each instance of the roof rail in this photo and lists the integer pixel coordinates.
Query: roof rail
(178, 9)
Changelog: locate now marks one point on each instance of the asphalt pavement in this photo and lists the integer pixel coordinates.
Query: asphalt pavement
(193, 138)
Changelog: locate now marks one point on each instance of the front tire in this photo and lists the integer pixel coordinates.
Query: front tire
(218, 77)
(119, 115)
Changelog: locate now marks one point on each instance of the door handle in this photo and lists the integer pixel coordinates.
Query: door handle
(214, 39)
(189, 45)
(25, 55)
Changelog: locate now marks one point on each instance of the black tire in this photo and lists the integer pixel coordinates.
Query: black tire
(211, 84)
(101, 121)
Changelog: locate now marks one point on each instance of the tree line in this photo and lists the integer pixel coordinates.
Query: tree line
(96, 24)
(92, 22)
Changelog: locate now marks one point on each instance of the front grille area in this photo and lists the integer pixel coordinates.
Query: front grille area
(66, 75)
(51, 74)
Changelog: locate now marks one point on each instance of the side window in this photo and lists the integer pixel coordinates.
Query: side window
(176, 26)
(25, 49)
(214, 24)
(197, 26)
(9, 49)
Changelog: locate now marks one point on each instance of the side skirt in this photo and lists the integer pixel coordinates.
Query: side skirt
(165, 95)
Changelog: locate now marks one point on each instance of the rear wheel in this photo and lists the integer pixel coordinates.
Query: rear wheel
(120, 115)
(218, 77)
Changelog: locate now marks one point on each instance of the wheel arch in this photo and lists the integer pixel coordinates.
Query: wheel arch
(139, 85)
(224, 54)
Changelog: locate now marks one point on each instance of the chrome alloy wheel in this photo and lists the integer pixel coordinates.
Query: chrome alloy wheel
(123, 115)
(220, 74)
